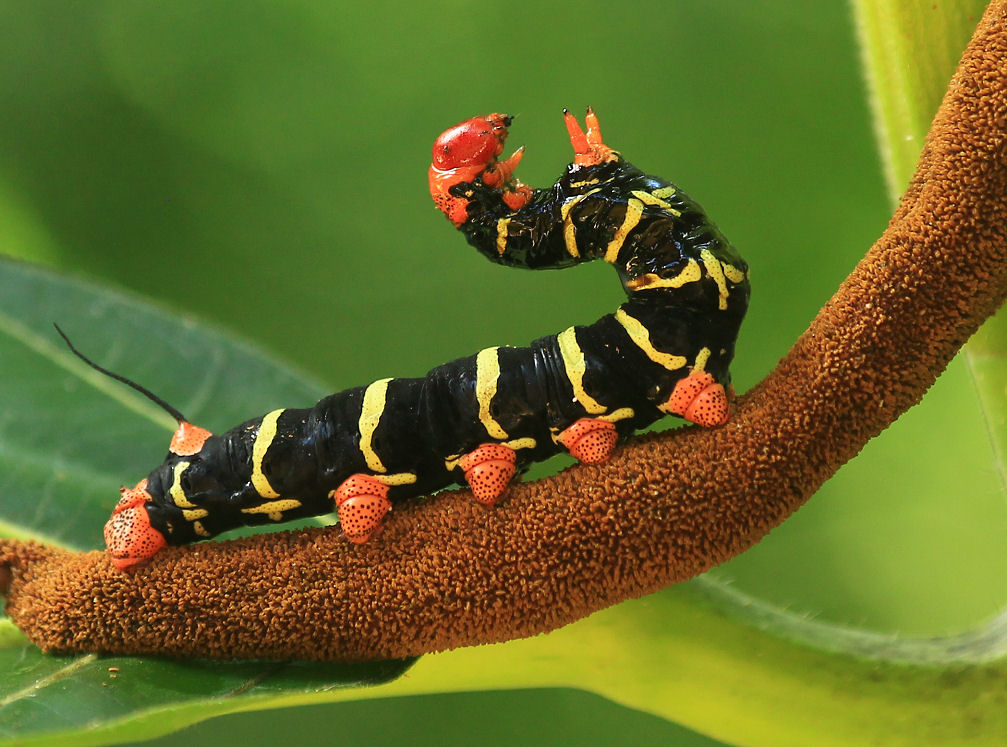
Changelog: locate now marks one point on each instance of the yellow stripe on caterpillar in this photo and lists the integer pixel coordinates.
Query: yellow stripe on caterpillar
(701, 359)
(649, 198)
(399, 478)
(370, 414)
(521, 443)
(272, 507)
(178, 496)
(502, 235)
(569, 230)
(623, 413)
(689, 274)
(733, 273)
(640, 336)
(576, 366)
(487, 375)
(715, 270)
(634, 211)
(263, 439)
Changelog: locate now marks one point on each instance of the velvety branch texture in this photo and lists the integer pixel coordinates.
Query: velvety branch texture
(446, 572)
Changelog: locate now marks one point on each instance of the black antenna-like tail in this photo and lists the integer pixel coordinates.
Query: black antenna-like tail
(179, 417)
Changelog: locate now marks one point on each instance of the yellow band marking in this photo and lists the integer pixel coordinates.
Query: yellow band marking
(399, 478)
(640, 336)
(370, 414)
(701, 358)
(263, 439)
(487, 375)
(634, 211)
(576, 366)
(733, 273)
(570, 238)
(567, 206)
(521, 443)
(178, 496)
(273, 507)
(569, 229)
(663, 193)
(199, 529)
(585, 183)
(502, 225)
(191, 514)
(648, 198)
(623, 413)
(716, 271)
(689, 274)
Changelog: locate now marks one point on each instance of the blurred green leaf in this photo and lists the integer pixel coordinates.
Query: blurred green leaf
(909, 48)
(932, 569)
(907, 75)
(987, 353)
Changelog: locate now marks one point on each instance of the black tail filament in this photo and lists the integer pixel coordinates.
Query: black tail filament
(179, 417)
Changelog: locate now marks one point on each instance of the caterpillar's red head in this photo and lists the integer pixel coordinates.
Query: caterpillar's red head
(468, 150)
(474, 143)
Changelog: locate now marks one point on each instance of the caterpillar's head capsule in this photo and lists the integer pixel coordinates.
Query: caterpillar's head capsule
(468, 150)
(475, 142)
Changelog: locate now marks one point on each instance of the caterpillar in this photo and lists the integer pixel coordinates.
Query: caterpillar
(481, 419)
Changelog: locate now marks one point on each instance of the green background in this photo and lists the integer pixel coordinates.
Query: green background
(261, 166)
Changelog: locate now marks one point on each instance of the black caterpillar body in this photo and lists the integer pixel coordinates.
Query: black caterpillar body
(362, 449)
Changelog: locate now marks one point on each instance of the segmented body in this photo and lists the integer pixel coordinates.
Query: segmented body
(688, 291)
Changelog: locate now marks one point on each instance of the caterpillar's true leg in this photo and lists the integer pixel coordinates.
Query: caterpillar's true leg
(501, 176)
(488, 469)
(591, 440)
(361, 502)
(699, 399)
(129, 536)
(588, 147)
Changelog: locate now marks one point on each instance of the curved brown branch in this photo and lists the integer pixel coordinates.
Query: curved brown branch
(447, 573)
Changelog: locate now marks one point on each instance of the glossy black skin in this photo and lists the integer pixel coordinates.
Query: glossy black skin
(428, 420)
(660, 244)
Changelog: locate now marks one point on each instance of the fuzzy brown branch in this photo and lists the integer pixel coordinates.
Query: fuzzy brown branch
(447, 573)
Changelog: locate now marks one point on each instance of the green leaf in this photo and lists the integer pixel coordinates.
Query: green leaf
(920, 512)
(987, 353)
(910, 48)
(68, 436)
